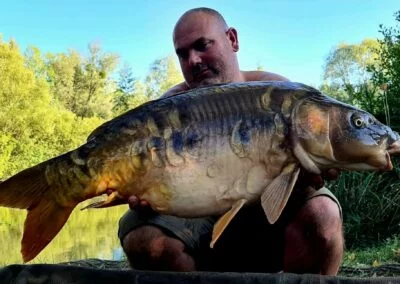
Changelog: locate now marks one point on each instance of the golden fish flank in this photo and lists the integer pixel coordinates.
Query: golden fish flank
(204, 152)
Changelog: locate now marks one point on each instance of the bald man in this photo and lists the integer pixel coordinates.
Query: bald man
(307, 238)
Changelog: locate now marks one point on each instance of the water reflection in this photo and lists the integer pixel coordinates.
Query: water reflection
(87, 234)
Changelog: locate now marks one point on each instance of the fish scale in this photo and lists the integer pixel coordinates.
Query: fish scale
(207, 151)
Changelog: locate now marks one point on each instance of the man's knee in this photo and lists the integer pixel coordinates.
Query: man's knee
(148, 248)
(321, 218)
(314, 240)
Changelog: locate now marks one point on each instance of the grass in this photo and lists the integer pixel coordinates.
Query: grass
(386, 252)
(371, 206)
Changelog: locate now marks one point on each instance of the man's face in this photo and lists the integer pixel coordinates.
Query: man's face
(205, 50)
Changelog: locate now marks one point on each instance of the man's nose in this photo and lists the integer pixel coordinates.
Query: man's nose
(194, 58)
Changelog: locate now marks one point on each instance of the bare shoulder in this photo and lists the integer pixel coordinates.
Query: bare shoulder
(175, 89)
(262, 76)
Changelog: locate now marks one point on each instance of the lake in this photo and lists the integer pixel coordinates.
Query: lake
(88, 233)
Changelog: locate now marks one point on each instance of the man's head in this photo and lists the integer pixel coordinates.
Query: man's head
(206, 48)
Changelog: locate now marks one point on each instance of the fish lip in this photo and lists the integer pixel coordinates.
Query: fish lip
(389, 165)
(394, 148)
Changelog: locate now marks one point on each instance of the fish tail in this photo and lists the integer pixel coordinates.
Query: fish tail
(30, 190)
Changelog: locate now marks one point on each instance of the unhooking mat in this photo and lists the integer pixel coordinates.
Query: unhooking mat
(55, 273)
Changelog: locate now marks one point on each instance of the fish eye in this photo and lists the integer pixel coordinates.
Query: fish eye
(358, 121)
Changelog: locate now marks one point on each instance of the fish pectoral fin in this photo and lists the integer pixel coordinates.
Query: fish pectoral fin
(224, 221)
(276, 194)
(42, 224)
(112, 200)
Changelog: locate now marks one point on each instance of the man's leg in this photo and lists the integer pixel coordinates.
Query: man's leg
(314, 239)
(159, 242)
(149, 248)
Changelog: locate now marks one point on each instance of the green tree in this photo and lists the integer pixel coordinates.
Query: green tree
(125, 91)
(164, 74)
(83, 84)
(33, 127)
(96, 71)
(347, 77)
(61, 70)
(386, 74)
(35, 62)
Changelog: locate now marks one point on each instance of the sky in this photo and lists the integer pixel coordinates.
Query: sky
(288, 37)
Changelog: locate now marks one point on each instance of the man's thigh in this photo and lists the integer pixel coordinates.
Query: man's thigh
(189, 230)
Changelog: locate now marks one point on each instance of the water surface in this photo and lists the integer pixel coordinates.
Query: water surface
(87, 234)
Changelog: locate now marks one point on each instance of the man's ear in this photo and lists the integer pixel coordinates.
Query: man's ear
(233, 39)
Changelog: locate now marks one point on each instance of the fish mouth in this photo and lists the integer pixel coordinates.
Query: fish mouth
(389, 165)
(394, 148)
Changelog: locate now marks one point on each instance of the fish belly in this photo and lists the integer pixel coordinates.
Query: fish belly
(212, 186)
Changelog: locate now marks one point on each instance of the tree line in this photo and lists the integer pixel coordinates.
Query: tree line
(51, 102)
(367, 74)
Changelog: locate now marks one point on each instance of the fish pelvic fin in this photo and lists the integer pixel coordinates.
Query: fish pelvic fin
(276, 194)
(224, 221)
(112, 200)
(42, 224)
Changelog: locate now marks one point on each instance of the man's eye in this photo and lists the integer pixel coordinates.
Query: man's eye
(202, 46)
(183, 54)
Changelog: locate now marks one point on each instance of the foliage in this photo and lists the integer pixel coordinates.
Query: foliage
(130, 92)
(124, 92)
(386, 252)
(386, 74)
(347, 78)
(33, 127)
(163, 75)
(369, 200)
(50, 103)
(81, 84)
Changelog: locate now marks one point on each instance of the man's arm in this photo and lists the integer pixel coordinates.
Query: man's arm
(262, 76)
(247, 75)
(175, 89)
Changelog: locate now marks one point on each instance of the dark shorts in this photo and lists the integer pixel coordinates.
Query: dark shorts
(248, 233)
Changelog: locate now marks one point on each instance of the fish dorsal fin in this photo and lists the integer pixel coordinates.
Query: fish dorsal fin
(224, 221)
(276, 194)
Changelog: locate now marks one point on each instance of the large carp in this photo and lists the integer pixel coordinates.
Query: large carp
(203, 152)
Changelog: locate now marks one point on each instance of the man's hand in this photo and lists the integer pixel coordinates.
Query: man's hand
(139, 205)
(316, 181)
(135, 202)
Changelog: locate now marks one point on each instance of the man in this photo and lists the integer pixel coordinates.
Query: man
(307, 238)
